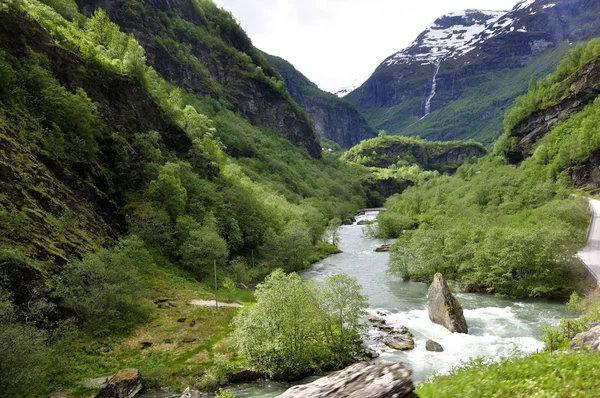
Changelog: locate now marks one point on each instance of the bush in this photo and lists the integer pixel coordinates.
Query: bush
(296, 328)
(102, 289)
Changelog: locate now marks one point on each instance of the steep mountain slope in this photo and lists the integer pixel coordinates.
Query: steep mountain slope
(96, 144)
(199, 47)
(460, 74)
(334, 118)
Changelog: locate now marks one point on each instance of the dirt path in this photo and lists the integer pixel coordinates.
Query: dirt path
(211, 303)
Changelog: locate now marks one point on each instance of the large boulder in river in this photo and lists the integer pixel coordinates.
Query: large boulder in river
(444, 308)
(589, 340)
(126, 383)
(359, 381)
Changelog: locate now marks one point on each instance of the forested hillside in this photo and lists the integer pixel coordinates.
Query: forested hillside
(513, 230)
(129, 171)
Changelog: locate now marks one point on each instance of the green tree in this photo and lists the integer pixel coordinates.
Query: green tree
(290, 248)
(333, 229)
(168, 192)
(343, 304)
(202, 247)
(102, 289)
(281, 334)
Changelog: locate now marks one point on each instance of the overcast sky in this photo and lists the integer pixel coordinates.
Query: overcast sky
(334, 42)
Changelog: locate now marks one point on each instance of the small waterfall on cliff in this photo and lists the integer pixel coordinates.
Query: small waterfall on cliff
(433, 87)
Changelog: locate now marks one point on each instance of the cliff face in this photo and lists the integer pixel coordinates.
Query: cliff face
(582, 88)
(458, 77)
(384, 152)
(68, 204)
(334, 118)
(200, 48)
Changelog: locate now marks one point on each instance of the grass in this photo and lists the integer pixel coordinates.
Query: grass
(176, 347)
(541, 375)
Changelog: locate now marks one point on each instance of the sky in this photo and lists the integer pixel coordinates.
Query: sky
(337, 42)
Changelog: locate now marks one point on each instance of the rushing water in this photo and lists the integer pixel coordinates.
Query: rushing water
(496, 326)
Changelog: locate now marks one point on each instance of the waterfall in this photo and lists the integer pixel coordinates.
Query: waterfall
(433, 87)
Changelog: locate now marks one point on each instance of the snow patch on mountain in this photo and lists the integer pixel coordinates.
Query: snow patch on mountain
(342, 92)
(450, 36)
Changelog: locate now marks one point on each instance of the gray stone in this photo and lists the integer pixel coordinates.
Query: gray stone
(126, 383)
(444, 308)
(589, 340)
(188, 393)
(359, 381)
(431, 345)
(401, 342)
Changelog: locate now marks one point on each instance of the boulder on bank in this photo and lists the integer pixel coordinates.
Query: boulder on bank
(359, 381)
(126, 383)
(434, 346)
(444, 308)
(589, 340)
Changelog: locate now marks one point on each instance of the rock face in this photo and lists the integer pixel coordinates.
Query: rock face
(589, 340)
(434, 346)
(245, 85)
(434, 88)
(584, 87)
(359, 381)
(391, 150)
(335, 119)
(444, 308)
(125, 384)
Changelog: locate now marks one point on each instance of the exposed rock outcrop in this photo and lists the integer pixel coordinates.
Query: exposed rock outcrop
(434, 346)
(126, 383)
(584, 87)
(589, 340)
(444, 308)
(335, 119)
(216, 70)
(359, 381)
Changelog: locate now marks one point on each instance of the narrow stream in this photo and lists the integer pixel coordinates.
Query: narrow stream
(497, 326)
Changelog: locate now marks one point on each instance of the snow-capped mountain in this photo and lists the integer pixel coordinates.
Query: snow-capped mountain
(459, 75)
(450, 36)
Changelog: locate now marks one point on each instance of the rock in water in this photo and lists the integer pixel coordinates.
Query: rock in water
(589, 340)
(125, 384)
(434, 346)
(189, 393)
(359, 381)
(444, 308)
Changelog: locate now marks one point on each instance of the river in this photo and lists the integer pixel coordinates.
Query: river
(497, 326)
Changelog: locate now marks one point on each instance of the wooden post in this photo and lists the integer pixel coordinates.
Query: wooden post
(216, 287)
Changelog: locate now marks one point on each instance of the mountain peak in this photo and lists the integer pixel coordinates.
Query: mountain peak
(449, 36)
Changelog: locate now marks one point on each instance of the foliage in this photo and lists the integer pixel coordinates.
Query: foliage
(541, 375)
(546, 92)
(557, 338)
(385, 151)
(490, 225)
(296, 328)
(102, 288)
